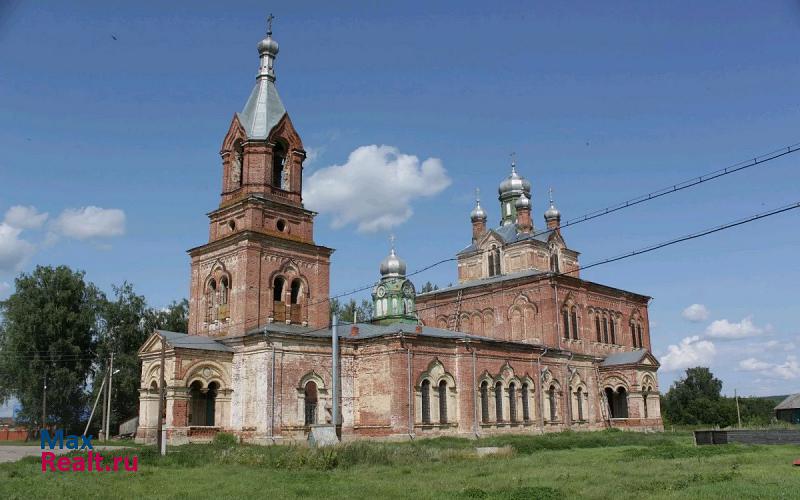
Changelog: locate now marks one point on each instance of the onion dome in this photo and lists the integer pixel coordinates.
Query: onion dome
(478, 213)
(552, 213)
(514, 183)
(268, 45)
(393, 265)
(523, 202)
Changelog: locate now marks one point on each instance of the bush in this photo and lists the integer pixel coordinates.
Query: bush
(225, 439)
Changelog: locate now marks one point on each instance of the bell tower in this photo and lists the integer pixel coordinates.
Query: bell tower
(261, 264)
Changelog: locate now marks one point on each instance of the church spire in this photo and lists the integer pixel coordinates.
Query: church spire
(264, 108)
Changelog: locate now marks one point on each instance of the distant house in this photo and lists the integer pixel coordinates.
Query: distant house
(789, 409)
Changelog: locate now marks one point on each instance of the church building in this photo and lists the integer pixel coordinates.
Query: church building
(521, 344)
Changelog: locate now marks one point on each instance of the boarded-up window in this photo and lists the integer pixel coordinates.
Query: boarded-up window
(426, 401)
(442, 402)
(484, 401)
(526, 409)
(574, 318)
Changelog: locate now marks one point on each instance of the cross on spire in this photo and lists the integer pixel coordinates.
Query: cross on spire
(513, 159)
(550, 192)
(269, 23)
(478, 195)
(391, 241)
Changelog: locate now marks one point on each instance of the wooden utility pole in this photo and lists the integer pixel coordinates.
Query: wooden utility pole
(161, 393)
(108, 411)
(738, 413)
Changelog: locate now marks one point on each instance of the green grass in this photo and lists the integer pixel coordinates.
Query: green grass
(566, 465)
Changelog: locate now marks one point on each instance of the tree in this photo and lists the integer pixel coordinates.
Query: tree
(346, 312)
(696, 399)
(173, 318)
(124, 328)
(49, 332)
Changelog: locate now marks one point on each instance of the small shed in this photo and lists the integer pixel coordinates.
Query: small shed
(789, 409)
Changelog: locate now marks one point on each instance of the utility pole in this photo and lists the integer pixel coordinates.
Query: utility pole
(44, 401)
(738, 413)
(161, 393)
(104, 392)
(108, 411)
(96, 400)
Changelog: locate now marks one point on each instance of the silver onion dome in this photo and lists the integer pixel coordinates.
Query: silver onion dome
(393, 265)
(268, 45)
(478, 213)
(523, 202)
(514, 183)
(552, 212)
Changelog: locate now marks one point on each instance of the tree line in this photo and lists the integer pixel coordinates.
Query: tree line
(58, 330)
(696, 399)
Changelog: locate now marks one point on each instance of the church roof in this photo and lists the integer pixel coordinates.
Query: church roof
(488, 281)
(790, 403)
(200, 342)
(262, 111)
(366, 331)
(508, 234)
(625, 358)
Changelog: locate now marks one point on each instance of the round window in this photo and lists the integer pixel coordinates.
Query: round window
(281, 225)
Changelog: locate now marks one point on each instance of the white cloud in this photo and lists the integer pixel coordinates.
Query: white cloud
(788, 370)
(689, 353)
(375, 188)
(22, 217)
(312, 155)
(695, 313)
(90, 222)
(14, 251)
(5, 289)
(724, 329)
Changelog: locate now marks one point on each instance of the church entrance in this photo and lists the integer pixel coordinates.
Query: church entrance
(617, 402)
(202, 404)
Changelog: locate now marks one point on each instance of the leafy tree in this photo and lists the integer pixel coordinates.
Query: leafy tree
(346, 312)
(173, 318)
(696, 399)
(49, 331)
(125, 327)
(429, 287)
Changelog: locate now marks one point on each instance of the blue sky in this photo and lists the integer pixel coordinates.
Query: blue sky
(602, 103)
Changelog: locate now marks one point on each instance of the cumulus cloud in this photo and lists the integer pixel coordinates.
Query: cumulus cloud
(90, 222)
(724, 329)
(22, 217)
(374, 188)
(690, 352)
(5, 289)
(14, 251)
(788, 370)
(695, 313)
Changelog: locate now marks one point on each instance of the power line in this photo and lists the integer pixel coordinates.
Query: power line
(680, 186)
(627, 255)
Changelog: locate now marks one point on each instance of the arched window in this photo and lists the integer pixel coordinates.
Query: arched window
(426, 401)
(498, 401)
(613, 331)
(491, 263)
(485, 401)
(597, 327)
(639, 329)
(554, 267)
(497, 268)
(442, 402)
(310, 403)
(579, 395)
(223, 290)
(617, 402)
(277, 289)
(296, 285)
(644, 402)
(211, 403)
(211, 300)
(633, 335)
(512, 402)
(574, 318)
(565, 320)
(605, 329)
(197, 404)
(526, 409)
(278, 162)
(551, 396)
(237, 165)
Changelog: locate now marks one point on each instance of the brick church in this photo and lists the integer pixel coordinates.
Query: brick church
(521, 344)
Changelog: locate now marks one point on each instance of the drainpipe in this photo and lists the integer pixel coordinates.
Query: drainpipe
(410, 387)
(474, 390)
(335, 370)
(568, 416)
(271, 390)
(541, 388)
(555, 311)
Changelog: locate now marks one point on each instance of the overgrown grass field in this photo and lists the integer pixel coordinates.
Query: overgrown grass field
(567, 465)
